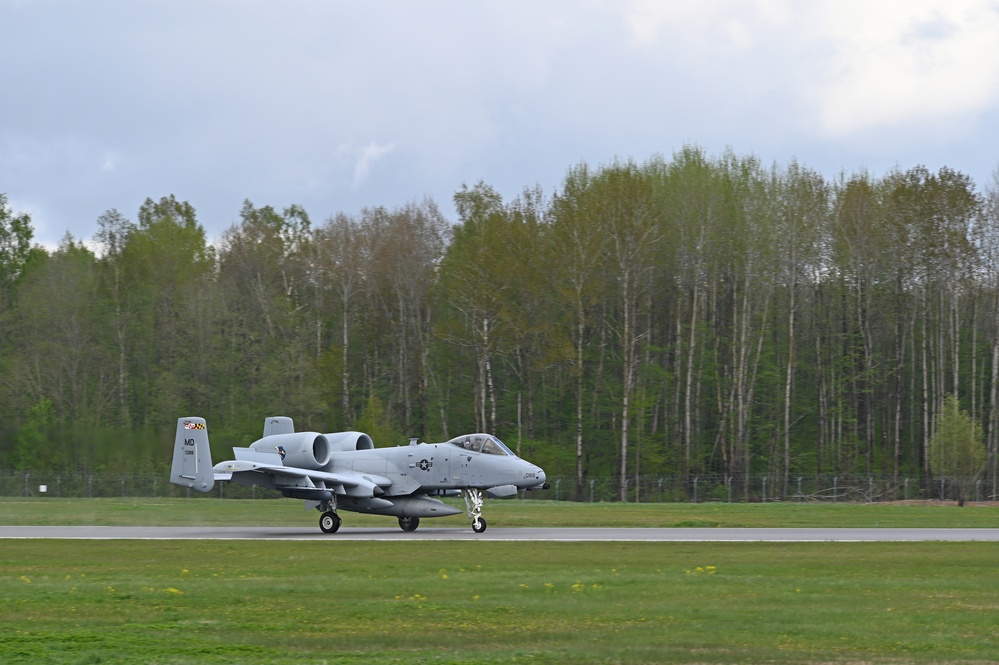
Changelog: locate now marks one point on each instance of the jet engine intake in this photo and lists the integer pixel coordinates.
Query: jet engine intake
(343, 442)
(306, 450)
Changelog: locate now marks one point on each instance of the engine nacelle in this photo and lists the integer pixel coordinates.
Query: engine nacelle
(306, 450)
(342, 442)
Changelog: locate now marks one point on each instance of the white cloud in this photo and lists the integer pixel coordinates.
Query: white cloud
(850, 67)
(906, 62)
(365, 158)
(704, 28)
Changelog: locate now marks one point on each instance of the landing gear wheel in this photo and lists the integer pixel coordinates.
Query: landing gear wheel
(478, 525)
(329, 522)
(409, 523)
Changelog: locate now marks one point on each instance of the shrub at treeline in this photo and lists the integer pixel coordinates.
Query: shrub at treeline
(682, 316)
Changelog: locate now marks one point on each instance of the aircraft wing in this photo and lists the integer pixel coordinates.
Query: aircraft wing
(349, 484)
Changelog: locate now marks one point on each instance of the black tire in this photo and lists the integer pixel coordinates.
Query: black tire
(329, 522)
(409, 523)
(478, 525)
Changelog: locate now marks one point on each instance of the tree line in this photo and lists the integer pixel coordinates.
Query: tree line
(686, 315)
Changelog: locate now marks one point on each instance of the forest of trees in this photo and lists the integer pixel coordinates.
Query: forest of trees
(689, 315)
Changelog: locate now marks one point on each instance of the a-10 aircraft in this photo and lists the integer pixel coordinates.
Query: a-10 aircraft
(344, 471)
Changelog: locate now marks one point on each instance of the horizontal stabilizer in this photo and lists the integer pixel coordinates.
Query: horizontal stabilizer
(259, 456)
(236, 466)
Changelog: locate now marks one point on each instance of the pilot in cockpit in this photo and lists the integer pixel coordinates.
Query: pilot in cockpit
(482, 443)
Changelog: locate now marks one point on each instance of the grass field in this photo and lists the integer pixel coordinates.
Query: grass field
(467, 602)
(329, 601)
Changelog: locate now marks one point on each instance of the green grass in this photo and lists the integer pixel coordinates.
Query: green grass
(499, 513)
(310, 602)
(329, 601)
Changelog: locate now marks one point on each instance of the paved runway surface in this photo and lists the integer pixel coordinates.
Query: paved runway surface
(499, 533)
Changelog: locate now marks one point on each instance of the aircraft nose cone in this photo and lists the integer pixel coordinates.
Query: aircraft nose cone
(541, 476)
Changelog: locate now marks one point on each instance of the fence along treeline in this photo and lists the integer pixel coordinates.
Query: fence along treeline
(684, 316)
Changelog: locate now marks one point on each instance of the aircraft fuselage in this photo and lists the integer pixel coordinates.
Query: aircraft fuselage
(438, 466)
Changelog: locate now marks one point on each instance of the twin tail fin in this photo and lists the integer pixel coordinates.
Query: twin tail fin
(192, 457)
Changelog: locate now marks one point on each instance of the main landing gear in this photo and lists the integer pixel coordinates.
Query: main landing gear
(473, 504)
(329, 522)
(409, 523)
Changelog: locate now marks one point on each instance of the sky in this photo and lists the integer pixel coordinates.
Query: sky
(337, 106)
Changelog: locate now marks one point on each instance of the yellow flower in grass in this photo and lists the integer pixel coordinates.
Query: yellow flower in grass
(703, 570)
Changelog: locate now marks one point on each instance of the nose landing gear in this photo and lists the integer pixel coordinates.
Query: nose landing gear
(473, 504)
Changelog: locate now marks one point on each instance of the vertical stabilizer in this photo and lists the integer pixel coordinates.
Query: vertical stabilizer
(278, 425)
(192, 458)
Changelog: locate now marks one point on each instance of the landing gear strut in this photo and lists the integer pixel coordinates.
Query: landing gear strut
(473, 503)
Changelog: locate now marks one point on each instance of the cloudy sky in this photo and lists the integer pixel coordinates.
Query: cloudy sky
(336, 106)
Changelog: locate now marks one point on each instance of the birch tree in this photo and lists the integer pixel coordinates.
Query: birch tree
(626, 208)
(343, 259)
(802, 200)
(468, 287)
(580, 242)
(112, 236)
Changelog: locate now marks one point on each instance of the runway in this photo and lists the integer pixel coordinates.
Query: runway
(842, 535)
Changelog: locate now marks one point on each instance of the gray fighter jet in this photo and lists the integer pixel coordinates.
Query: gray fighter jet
(344, 471)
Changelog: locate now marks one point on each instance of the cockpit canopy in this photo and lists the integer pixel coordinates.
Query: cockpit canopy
(481, 443)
